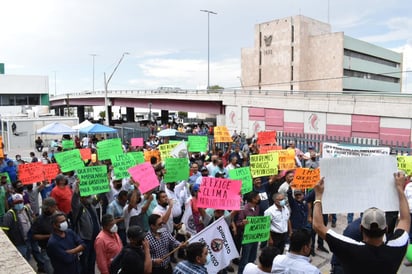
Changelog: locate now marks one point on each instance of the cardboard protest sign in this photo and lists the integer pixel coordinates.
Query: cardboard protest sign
(86, 153)
(306, 178)
(137, 142)
(256, 230)
(263, 165)
(151, 153)
(69, 160)
(219, 193)
(405, 164)
(267, 149)
(177, 169)
(243, 174)
(31, 173)
(221, 135)
(51, 171)
(332, 150)
(121, 163)
(286, 159)
(68, 144)
(197, 143)
(165, 150)
(109, 147)
(137, 156)
(266, 137)
(353, 184)
(93, 180)
(7, 175)
(145, 175)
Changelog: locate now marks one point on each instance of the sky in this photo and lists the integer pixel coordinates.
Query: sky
(167, 39)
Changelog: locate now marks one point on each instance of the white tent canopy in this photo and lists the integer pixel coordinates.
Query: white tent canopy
(56, 129)
(83, 124)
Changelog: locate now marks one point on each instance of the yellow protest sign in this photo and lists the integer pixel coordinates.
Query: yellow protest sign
(306, 178)
(1, 147)
(263, 165)
(151, 153)
(405, 164)
(286, 158)
(165, 150)
(221, 135)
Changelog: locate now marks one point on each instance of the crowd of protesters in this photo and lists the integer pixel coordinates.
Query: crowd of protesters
(126, 231)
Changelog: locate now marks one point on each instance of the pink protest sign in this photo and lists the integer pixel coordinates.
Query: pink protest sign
(219, 193)
(145, 175)
(137, 142)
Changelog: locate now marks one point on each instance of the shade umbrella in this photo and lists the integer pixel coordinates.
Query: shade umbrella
(83, 124)
(56, 128)
(96, 129)
(167, 132)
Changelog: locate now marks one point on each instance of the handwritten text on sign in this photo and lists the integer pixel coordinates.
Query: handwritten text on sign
(69, 160)
(109, 147)
(405, 164)
(257, 229)
(219, 193)
(177, 169)
(243, 174)
(306, 178)
(165, 150)
(222, 135)
(263, 165)
(51, 171)
(145, 175)
(93, 180)
(266, 137)
(31, 173)
(121, 163)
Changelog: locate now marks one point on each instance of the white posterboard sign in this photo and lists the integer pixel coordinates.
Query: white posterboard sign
(333, 150)
(353, 184)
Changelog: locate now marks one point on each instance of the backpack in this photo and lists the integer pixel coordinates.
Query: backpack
(116, 264)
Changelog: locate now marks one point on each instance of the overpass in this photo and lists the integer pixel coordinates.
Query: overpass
(374, 115)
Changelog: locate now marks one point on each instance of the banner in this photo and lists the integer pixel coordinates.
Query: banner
(405, 164)
(243, 174)
(332, 150)
(220, 245)
(219, 193)
(306, 178)
(68, 144)
(197, 143)
(121, 163)
(109, 147)
(266, 137)
(221, 135)
(256, 230)
(31, 173)
(263, 165)
(69, 160)
(93, 180)
(267, 149)
(180, 150)
(177, 169)
(165, 150)
(187, 218)
(51, 171)
(286, 159)
(86, 153)
(138, 157)
(145, 175)
(136, 142)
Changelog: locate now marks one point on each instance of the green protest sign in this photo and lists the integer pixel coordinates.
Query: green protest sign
(243, 174)
(121, 163)
(174, 141)
(68, 144)
(197, 143)
(256, 230)
(177, 169)
(7, 175)
(109, 147)
(69, 160)
(138, 157)
(264, 164)
(405, 164)
(93, 180)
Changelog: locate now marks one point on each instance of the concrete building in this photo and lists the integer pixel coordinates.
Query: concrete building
(300, 53)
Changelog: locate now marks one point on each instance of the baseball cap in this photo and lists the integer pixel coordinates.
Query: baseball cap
(17, 197)
(371, 216)
(196, 187)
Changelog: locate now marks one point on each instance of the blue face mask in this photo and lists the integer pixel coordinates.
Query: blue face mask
(18, 207)
(208, 259)
(282, 203)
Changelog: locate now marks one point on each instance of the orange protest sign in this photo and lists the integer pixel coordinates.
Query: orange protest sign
(286, 159)
(51, 171)
(306, 178)
(31, 173)
(86, 153)
(1, 147)
(266, 137)
(266, 149)
(151, 153)
(221, 135)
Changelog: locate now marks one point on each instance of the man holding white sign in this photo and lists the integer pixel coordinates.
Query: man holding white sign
(373, 255)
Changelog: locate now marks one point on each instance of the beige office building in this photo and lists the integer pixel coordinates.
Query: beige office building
(300, 53)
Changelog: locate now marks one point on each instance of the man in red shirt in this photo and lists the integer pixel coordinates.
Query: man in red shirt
(62, 194)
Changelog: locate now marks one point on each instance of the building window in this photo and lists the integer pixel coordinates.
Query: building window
(34, 100)
(372, 76)
(292, 54)
(293, 33)
(21, 100)
(291, 73)
(370, 58)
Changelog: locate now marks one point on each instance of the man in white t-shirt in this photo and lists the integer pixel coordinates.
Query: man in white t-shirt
(265, 261)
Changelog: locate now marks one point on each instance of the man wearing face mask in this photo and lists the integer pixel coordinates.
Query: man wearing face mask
(64, 246)
(279, 222)
(297, 259)
(116, 186)
(107, 245)
(197, 257)
(17, 223)
(115, 209)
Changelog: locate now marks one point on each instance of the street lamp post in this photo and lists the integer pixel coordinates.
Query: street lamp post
(106, 83)
(208, 44)
(93, 55)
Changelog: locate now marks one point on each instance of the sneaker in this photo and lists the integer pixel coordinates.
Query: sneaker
(322, 248)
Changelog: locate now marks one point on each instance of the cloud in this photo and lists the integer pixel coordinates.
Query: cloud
(398, 29)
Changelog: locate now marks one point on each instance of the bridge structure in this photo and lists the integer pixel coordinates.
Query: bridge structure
(370, 115)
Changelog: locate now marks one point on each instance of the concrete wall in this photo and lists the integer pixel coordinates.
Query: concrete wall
(19, 84)
(11, 261)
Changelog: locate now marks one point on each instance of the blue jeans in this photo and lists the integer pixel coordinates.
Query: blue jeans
(48, 268)
(349, 217)
(249, 253)
(24, 250)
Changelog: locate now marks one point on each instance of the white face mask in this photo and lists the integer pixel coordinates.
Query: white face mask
(64, 226)
(162, 229)
(113, 229)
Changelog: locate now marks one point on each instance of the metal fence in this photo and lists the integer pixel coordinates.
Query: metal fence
(127, 133)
